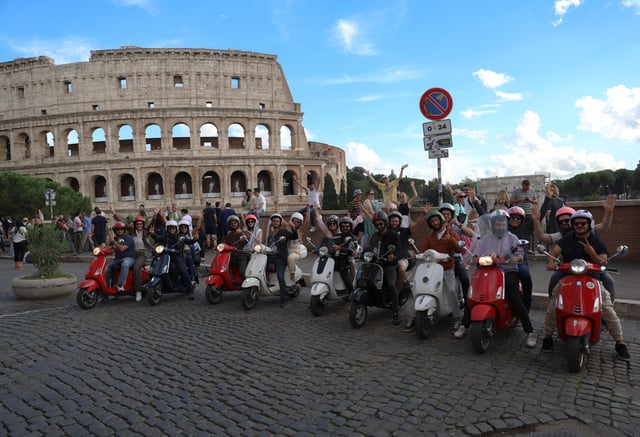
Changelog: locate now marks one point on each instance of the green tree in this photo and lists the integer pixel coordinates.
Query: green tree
(344, 202)
(329, 196)
(46, 246)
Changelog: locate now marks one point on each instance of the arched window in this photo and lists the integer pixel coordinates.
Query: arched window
(209, 136)
(100, 189)
(285, 138)
(183, 188)
(5, 145)
(211, 184)
(155, 189)
(287, 183)
(153, 137)
(72, 183)
(262, 137)
(264, 182)
(181, 136)
(99, 141)
(127, 188)
(238, 184)
(236, 136)
(73, 146)
(125, 138)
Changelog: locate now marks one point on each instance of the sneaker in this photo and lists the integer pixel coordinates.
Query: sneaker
(547, 344)
(532, 339)
(408, 327)
(456, 326)
(120, 288)
(622, 351)
(459, 333)
(138, 296)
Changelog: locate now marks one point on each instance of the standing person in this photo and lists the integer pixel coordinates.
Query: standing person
(86, 232)
(279, 258)
(209, 226)
(77, 232)
(499, 244)
(355, 212)
(247, 202)
(227, 212)
(187, 217)
(471, 201)
(382, 240)
(369, 207)
(388, 188)
(313, 198)
(172, 212)
(525, 198)
(404, 207)
(99, 227)
(18, 237)
(157, 224)
(259, 203)
(502, 201)
(551, 204)
(142, 212)
(582, 243)
(125, 255)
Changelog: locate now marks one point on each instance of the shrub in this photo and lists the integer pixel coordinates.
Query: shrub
(46, 247)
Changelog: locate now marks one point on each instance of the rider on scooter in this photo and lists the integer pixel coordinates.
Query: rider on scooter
(172, 240)
(279, 258)
(381, 241)
(500, 244)
(402, 251)
(516, 219)
(125, 255)
(344, 252)
(237, 237)
(583, 244)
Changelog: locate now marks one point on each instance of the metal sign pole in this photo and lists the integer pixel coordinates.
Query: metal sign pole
(439, 183)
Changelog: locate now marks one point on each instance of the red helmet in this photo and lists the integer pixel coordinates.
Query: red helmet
(251, 217)
(516, 210)
(565, 210)
(119, 225)
(139, 218)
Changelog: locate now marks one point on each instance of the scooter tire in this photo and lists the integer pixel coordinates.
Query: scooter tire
(424, 325)
(248, 298)
(86, 299)
(575, 354)
(154, 294)
(213, 294)
(480, 339)
(295, 291)
(357, 314)
(316, 305)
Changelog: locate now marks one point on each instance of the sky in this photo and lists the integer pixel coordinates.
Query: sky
(538, 86)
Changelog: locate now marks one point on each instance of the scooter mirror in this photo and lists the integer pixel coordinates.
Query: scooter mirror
(622, 249)
(540, 248)
(392, 248)
(462, 243)
(411, 241)
(523, 242)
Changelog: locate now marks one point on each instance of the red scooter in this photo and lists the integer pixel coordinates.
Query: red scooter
(488, 303)
(95, 282)
(223, 276)
(579, 306)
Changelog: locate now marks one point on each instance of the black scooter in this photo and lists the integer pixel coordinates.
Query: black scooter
(371, 289)
(165, 277)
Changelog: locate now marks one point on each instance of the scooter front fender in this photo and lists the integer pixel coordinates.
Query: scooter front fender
(482, 312)
(360, 295)
(425, 302)
(576, 326)
(251, 282)
(319, 289)
(155, 280)
(89, 284)
(215, 280)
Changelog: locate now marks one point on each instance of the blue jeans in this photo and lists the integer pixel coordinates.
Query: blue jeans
(303, 211)
(527, 283)
(125, 264)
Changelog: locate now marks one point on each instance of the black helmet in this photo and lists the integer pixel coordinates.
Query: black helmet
(434, 214)
(346, 220)
(380, 216)
(395, 214)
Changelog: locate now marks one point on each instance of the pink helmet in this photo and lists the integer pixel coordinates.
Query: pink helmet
(516, 210)
(565, 210)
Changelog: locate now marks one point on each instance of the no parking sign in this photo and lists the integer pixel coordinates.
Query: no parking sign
(436, 103)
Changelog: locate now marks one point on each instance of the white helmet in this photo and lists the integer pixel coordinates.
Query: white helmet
(172, 223)
(297, 216)
(183, 222)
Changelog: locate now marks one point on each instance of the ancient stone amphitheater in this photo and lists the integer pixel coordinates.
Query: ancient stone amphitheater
(157, 126)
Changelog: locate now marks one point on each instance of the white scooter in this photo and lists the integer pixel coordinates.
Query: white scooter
(431, 302)
(260, 281)
(326, 284)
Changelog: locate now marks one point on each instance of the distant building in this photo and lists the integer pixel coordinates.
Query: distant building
(489, 187)
(156, 126)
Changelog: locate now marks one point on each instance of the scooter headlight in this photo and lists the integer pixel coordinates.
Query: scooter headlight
(323, 251)
(96, 251)
(485, 261)
(260, 248)
(159, 249)
(368, 256)
(578, 266)
(220, 247)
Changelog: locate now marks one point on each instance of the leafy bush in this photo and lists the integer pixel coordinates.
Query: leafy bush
(46, 246)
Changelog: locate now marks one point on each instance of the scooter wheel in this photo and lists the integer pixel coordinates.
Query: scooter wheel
(86, 299)
(480, 338)
(316, 305)
(575, 354)
(357, 314)
(154, 294)
(424, 325)
(248, 298)
(295, 291)
(213, 294)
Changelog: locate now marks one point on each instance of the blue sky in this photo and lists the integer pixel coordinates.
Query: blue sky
(538, 86)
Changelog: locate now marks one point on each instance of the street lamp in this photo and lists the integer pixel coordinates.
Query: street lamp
(50, 199)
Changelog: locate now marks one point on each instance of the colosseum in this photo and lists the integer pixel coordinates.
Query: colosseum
(157, 126)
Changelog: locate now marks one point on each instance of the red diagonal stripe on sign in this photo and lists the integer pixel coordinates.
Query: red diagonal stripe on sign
(436, 104)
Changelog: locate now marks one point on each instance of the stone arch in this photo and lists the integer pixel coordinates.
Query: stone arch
(236, 135)
(181, 136)
(125, 138)
(100, 189)
(73, 142)
(5, 144)
(312, 176)
(24, 143)
(153, 137)
(127, 187)
(183, 185)
(209, 136)
(99, 140)
(286, 137)
(72, 183)
(288, 185)
(211, 184)
(262, 136)
(265, 182)
(238, 183)
(48, 141)
(155, 186)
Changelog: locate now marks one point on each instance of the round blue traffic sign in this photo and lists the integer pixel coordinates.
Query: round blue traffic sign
(436, 103)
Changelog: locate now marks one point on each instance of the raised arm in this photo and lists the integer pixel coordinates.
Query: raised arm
(415, 194)
(607, 219)
(537, 227)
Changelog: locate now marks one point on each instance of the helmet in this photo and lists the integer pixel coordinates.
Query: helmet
(171, 223)
(233, 217)
(516, 210)
(434, 214)
(584, 214)
(333, 218)
(346, 220)
(139, 218)
(565, 210)
(183, 223)
(499, 215)
(275, 215)
(119, 225)
(251, 217)
(447, 206)
(297, 216)
(380, 216)
(395, 214)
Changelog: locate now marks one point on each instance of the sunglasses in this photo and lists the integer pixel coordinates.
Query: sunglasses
(332, 224)
(564, 222)
(516, 217)
(380, 225)
(580, 223)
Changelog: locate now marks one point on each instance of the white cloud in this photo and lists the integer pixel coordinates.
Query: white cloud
(491, 79)
(562, 6)
(350, 35)
(632, 4)
(369, 98)
(472, 113)
(388, 75)
(147, 5)
(361, 155)
(617, 117)
(74, 49)
(509, 97)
